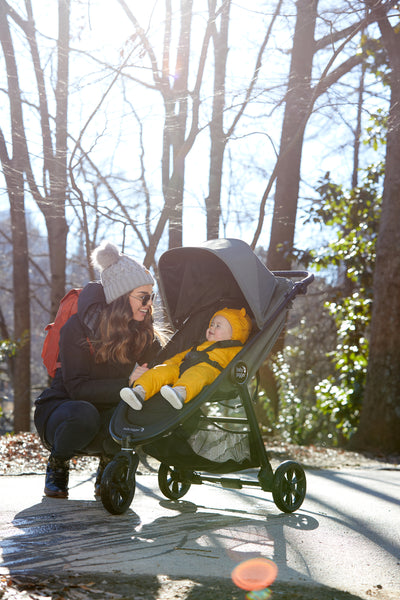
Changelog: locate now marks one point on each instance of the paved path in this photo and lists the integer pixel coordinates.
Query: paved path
(346, 535)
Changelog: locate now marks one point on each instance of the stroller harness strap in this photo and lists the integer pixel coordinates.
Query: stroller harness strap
(194, 356)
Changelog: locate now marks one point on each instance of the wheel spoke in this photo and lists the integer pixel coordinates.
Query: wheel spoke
(290, 474)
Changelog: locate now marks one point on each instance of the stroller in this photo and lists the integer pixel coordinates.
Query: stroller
(217, 432)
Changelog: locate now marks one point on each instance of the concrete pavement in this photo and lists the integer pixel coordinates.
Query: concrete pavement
(346, 535)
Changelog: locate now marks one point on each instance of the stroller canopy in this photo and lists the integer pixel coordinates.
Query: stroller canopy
(228, 269)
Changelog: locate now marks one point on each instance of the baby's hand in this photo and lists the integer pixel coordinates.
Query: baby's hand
(137, 372)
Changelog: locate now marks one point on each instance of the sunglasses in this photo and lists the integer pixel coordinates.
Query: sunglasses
(145, 298)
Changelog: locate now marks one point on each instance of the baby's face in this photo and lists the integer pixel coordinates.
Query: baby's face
(219, 329)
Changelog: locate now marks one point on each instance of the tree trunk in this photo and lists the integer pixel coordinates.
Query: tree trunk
(180, 95)
(358, 130)
(22, 323)
(379, 427)
(13, 168)
(51, 193)
(217, 135)
(296, 112)
(57, 228)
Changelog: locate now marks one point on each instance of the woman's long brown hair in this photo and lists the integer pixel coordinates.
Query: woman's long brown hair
(122, 339)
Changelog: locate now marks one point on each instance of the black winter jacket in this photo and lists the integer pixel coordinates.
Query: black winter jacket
(80, 377)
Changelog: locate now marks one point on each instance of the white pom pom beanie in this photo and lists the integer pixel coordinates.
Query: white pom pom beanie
(119, 273)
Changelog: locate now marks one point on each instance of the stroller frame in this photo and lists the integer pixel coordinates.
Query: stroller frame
(287, 483)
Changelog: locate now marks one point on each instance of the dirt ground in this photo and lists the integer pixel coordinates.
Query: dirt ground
(87, 587)
(24, 454)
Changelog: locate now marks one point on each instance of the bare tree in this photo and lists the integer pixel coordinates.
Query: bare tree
(14, 166)
(177, 142)
(51, 193)
(182, 108)
(300, 98)
(217, 133)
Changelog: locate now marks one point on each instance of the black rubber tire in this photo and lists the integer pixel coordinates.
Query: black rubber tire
(170, 483)
(118, 485)
(289, 486)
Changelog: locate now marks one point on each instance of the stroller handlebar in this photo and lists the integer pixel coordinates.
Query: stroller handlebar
(300, 286)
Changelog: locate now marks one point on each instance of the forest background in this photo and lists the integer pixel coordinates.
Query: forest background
(176, 121)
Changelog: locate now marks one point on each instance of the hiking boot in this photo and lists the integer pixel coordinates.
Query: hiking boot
(57, 475)
(104, 460)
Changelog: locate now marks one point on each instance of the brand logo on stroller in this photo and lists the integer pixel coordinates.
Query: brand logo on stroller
(240, 372)
(127, 430)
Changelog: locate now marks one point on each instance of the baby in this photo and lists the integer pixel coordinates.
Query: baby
(184, 375)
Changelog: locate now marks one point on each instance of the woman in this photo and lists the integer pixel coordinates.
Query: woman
(106, 345)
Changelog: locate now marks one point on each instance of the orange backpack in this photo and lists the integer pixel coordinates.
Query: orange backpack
(68, 307)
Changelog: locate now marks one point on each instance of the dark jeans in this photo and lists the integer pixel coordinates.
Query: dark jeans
(78, 427)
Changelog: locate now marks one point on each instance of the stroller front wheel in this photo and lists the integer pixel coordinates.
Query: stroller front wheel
(118, 485)
(170, 482)
(289, 486)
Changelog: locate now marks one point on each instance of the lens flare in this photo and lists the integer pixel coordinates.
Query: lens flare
(255, 574)
(259, 594)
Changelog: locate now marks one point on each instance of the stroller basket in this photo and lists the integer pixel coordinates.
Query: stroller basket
(217, 432)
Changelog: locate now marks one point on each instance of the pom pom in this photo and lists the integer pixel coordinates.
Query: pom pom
(104, 256)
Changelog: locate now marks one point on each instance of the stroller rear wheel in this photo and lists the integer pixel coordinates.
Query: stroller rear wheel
(118, 485)
(289, 486)
(170, 482)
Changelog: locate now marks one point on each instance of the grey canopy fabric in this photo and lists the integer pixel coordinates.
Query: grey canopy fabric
(226, 269)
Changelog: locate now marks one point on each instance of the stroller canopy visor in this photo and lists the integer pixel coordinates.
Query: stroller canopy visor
(192, 277)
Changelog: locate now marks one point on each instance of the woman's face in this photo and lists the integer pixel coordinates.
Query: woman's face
(141, 301)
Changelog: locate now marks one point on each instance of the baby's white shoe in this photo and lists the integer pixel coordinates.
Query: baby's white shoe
(132, 397)
(172, 396)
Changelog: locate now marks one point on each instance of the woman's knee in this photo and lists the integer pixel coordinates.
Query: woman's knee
(78, 420)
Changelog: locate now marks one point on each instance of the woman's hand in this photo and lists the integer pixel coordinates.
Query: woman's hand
(137, 372)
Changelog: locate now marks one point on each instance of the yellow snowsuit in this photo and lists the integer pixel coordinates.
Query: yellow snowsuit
(194, 378)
